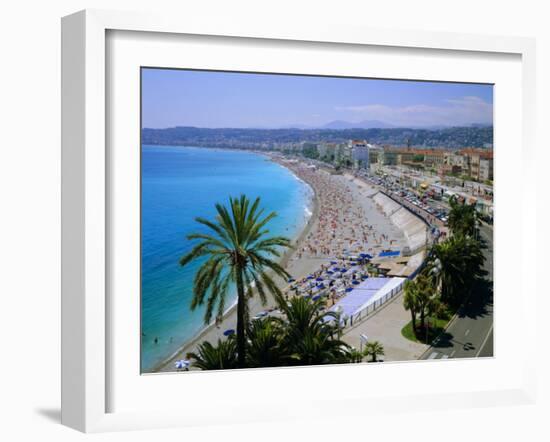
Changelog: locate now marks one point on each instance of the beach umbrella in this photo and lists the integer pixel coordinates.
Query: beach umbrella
(344, 270)
(349, 289)
(330, 272)
(310, 277)
(334, 262)
(319, 279)
(315, 298)
(229, 332)
(291, 280)
(182, 364)
(355, 282)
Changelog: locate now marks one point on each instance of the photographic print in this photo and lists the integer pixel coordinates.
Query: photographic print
(298, 220)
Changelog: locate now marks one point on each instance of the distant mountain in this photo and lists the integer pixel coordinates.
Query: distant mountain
(365, 124)
(295, 126)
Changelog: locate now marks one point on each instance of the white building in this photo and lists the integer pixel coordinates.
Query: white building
(486, 169)
(359, 153)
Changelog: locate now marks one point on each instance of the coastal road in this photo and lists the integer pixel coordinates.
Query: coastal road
(470, 333)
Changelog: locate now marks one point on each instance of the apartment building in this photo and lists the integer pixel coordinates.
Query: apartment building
(359, 153)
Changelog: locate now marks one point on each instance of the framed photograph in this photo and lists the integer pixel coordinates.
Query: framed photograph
(291, 220)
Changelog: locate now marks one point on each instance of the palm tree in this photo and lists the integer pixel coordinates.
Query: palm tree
(461, 263)
(309, 333)
(420, 298)
(462, 218)
(374, 349)
(437, 308)
(355, 355)
(238, 251)
(317, 349)
(264, 347)
(426, 297)
(222, 356)
(410, 301)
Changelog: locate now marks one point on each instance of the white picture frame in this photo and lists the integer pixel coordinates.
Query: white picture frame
(85, 209)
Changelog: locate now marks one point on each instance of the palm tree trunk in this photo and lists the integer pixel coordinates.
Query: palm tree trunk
(241, 338)
(413, 319)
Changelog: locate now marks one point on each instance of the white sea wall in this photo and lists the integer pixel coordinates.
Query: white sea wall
(412, 227)
(365, 188)
(387, 205)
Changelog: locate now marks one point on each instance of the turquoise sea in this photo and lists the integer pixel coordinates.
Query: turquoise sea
(179, 184)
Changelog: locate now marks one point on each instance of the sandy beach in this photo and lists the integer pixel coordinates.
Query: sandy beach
(345, 221)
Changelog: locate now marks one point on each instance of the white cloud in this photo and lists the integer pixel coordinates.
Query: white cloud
(456, 112)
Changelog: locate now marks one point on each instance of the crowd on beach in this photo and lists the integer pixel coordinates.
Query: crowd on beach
(343, 224)
(342, 242)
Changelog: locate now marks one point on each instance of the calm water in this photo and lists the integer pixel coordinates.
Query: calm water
(178, 184)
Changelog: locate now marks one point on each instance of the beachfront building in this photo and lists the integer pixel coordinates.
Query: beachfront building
(374, 154)
(289, 147)
(434, 157)
(481, 166)
(405, 156)
(474, 166)
(448, 169)
(456, 162)
(388, 156)
(359, 153)
(343, 154)
(479, 163)
(486, 168)
(327, 150)
(333, 152)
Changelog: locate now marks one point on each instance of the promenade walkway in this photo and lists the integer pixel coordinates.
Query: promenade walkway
(385, 326)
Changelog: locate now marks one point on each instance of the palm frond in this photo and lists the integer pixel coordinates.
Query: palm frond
(222, 233)
(208, 240)
(196, 252)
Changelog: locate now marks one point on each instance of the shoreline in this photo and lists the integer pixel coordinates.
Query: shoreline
(188, 346)
(345, 220)
(300, 238)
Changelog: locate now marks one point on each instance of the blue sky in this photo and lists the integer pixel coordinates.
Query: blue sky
(223, 99)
